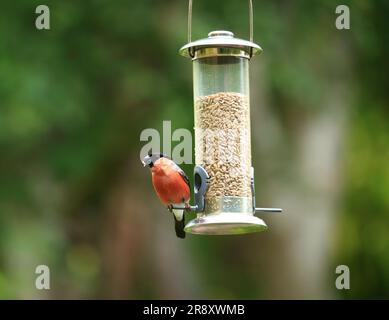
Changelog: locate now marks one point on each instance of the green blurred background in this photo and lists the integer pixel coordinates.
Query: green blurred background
(73, 193)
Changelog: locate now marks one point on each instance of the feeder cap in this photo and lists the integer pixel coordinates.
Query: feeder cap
(220, 39)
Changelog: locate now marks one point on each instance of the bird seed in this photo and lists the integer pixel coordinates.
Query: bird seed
(222, 133)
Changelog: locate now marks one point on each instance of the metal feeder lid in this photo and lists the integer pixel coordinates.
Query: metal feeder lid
(220, 39)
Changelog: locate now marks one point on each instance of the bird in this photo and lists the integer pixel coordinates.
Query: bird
(171, 185)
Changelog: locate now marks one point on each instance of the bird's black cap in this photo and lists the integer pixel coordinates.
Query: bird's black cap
(150, 159)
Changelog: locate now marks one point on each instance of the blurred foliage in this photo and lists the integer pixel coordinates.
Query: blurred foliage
(363, 239)
(74, 100)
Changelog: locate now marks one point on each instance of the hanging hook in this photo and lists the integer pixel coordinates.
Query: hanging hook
(251, 21)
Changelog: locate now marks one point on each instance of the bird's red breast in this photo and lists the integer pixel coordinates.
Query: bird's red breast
(169, 184)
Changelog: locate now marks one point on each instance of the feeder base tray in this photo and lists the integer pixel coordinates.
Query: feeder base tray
(225, 223)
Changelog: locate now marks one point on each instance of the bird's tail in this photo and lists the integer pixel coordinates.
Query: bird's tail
(179, 223)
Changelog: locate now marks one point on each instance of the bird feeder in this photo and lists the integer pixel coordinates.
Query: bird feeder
(223, 175)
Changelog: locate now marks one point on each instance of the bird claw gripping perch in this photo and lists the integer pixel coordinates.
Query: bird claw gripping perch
(201, 184)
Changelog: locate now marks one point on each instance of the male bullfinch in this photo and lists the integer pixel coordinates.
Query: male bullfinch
(171, 185)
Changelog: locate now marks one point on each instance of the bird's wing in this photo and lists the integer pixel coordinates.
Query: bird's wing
(182, 174)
